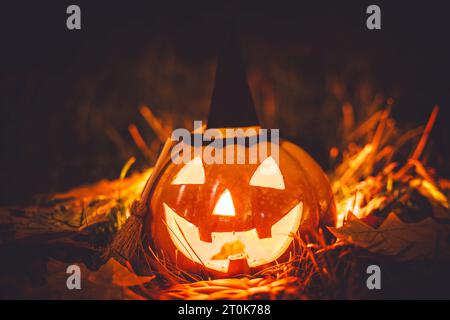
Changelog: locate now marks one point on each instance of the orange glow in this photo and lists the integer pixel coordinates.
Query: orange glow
(225, 206)
(227, 245)
(351, 204)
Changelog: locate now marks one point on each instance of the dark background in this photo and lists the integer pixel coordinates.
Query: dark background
(65, 95)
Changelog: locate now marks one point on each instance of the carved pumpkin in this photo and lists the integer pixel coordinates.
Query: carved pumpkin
(226, 219)
(236, 218)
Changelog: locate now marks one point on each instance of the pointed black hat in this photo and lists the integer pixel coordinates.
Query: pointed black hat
(231, 104)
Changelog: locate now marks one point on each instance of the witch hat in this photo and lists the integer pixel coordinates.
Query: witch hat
(231, 104)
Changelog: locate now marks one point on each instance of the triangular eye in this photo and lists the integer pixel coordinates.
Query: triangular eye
(268, 175)
(192, 173)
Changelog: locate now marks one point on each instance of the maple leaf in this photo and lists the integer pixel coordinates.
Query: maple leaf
(426, 239)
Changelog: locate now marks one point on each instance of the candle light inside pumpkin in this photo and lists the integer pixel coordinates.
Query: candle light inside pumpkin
(225, 206)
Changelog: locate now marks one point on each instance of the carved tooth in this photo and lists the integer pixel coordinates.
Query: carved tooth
(264, 232)
(238, 264)
(205, 235)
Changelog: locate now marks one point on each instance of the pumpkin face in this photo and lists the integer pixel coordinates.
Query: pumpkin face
(234, 218)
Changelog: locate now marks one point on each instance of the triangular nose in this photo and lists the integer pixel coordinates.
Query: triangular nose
(225, 206)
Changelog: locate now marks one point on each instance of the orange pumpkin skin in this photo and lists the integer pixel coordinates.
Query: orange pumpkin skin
(256, 208)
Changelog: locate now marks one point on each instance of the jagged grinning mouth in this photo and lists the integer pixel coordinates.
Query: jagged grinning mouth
(258, 251)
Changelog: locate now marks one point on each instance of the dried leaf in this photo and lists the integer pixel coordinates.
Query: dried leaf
(426, 239)
(126, 278)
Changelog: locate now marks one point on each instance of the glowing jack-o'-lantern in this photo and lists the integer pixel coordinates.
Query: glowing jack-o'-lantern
(234, 218)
